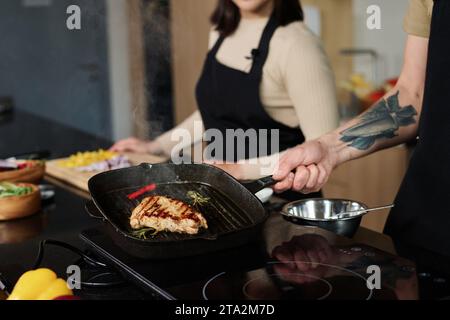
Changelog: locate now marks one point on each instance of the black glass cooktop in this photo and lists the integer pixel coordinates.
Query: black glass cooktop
(292, 263)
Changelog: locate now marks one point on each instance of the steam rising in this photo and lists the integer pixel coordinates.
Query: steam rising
(150, 120)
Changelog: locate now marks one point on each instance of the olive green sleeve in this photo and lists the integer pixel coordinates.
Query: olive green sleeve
(418, 18)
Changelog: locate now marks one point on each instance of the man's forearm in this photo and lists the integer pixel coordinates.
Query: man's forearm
(391, 121)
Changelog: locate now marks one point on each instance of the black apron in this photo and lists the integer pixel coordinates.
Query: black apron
(230, 99)
(422, 214)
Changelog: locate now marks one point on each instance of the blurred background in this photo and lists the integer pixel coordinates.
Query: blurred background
(133, 66)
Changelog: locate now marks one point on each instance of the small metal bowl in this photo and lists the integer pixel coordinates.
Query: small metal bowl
(321, 213)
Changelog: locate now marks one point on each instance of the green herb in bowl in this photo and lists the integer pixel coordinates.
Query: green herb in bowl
(8, 189)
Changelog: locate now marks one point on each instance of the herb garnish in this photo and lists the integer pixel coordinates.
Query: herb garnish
(197, 198)
(144, 232)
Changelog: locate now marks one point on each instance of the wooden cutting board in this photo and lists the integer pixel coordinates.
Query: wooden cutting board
(77, 179)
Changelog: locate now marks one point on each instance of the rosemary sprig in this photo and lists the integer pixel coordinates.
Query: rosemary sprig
(197, 199)
(144, 232)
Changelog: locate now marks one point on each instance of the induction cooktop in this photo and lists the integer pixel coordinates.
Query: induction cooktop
(306, 265)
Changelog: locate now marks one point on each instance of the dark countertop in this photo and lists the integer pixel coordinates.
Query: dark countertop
(66, 218)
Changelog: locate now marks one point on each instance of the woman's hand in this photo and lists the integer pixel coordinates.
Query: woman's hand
(137, 146)
(312, 163)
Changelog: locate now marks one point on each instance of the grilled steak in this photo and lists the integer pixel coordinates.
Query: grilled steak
(166, 214)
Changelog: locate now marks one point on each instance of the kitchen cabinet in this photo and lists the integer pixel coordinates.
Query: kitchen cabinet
(190, 32)
(373, 180)
(137, 65)
(336, 33)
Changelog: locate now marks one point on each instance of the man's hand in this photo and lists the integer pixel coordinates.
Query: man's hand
(312, 163)
(400, 107)
(306, 254)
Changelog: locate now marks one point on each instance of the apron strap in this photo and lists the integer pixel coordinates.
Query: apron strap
(217, 45)
(260, 55)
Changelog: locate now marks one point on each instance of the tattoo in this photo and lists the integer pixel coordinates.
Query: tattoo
(382, 122)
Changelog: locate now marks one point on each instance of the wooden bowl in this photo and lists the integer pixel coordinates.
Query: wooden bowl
(30, 175)
(20, 207)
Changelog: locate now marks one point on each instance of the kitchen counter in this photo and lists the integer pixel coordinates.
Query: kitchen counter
(65, 218)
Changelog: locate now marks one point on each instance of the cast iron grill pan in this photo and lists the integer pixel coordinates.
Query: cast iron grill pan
(234, 215)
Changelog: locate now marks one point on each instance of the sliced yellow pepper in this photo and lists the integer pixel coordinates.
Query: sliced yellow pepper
(83, 159)
(40, 284)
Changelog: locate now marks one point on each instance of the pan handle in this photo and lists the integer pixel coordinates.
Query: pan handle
(257, 185)
(93, 211)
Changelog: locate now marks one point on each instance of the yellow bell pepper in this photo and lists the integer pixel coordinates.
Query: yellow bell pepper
(83, 159)
(40, 284)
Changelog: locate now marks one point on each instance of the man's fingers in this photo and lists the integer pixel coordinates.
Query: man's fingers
(288, 273)
(301, 260)
(292, 159)
(301, 178)
(323, 175)
(318, 178)
(324, 255)
(286, 184)
(282, 254)
(314, 258)
(313, 177)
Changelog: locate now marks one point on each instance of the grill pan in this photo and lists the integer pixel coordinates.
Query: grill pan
(234, 214)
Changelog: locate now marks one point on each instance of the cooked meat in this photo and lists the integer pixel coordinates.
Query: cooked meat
(165, 214)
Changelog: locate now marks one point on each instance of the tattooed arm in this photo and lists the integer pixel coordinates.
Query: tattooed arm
(391, 121)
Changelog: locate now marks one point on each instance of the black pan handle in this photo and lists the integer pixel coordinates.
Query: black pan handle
(93, 211)
(257, 185)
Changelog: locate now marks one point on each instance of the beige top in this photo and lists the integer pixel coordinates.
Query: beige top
(298, 85)
(418, 18)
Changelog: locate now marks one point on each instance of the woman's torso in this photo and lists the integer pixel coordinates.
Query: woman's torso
(275, 97)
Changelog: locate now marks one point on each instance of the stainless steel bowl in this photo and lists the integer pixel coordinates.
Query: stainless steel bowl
(322, 213)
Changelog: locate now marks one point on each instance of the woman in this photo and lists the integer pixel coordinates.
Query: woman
(265, 70)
